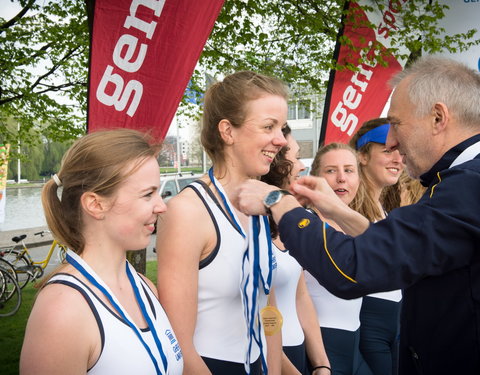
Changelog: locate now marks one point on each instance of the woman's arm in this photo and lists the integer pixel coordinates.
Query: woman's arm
(62, 336)
(182, 236)
(311, 328)
(287, 366)
(274, 344)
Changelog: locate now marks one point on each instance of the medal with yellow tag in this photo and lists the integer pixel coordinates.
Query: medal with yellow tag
(272, 320)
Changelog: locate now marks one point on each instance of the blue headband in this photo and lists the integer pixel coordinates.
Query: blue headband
(377, 135)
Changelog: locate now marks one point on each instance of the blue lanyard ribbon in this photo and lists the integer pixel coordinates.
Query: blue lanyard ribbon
(225, 201)
(254, 264)
(90, 275)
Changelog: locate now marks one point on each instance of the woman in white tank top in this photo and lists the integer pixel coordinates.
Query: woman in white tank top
(202, 238)
(96, 314)
(301, 336)
(339, 318)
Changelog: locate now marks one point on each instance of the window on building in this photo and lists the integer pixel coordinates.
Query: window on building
(299, 109)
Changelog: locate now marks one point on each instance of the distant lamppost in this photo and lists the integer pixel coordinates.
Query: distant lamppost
(19, 166)
(179, 159)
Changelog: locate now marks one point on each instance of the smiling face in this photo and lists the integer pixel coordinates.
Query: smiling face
(252, 146)
(293, 155)
(135, 206)
(383, 167)
(339, 168)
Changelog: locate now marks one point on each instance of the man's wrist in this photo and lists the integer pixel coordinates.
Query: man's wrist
(285, 205)
(274, 197)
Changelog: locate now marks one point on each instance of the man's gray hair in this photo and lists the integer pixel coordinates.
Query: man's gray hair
(436, 79)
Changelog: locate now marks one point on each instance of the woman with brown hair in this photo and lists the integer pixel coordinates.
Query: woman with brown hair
(205, 264)
(380, 170)
(96, 314)
(411, 190)
(338, 318)
(301, 336)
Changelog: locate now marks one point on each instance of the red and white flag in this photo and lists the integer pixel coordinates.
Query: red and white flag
(143, 53)
(355, 97)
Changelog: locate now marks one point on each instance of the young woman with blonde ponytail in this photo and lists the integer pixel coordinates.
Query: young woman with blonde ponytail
(96, 315)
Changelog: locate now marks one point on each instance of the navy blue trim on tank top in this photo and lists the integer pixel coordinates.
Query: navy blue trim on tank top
(90, 304)
(150, 302)
(210, 257)
(78, 263)
(218, 204)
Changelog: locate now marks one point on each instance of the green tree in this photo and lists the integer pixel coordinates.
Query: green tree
(43, 70)
(30, 164)
(44, 51)
(53, 153)
(294, 40)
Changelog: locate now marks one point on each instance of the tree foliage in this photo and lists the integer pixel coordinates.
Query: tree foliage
(38, 160)
(43, 70)
(44, 51)
(294, 40)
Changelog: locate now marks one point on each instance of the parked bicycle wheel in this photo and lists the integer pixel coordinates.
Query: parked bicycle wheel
(23, 266)
(8, 267)
(3, 284)
(11, 296)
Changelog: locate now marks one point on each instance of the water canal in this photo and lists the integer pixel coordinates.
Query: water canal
(23, 209)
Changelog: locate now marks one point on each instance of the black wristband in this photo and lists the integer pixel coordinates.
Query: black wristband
(319, 367)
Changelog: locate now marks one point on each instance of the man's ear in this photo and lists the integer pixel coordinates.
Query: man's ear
(440, 117)
(94, 205)
(225, 128)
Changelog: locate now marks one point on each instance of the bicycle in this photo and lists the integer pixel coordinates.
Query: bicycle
(26, 268)
(10, 291)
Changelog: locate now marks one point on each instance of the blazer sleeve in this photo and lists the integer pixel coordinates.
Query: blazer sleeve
(438, 234)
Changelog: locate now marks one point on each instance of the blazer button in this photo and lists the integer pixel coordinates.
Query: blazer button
(414, 354)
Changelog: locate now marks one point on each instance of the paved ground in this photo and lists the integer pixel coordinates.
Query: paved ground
(39, 246)
(31, 240)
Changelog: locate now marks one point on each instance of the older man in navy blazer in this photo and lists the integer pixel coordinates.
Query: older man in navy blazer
(431, 249)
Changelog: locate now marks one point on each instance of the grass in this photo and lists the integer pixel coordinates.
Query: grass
(12, 328)
(184, 169)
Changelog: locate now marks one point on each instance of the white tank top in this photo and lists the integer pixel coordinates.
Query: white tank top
(394, 295)
(221, 331)
(122, 352)
(286, 283)
(333, 312)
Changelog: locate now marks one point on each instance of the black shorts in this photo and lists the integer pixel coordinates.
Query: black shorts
(298, 357)
(219, 367)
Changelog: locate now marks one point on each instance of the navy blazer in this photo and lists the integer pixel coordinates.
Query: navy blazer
(431, 250)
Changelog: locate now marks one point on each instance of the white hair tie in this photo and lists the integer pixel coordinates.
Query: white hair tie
(57, 180)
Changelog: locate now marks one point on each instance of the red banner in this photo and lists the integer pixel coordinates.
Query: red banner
(143, 53)
(355, 97)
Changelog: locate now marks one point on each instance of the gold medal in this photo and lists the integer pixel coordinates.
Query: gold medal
(272, 320)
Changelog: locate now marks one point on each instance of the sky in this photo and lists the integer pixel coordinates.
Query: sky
(8, 9)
